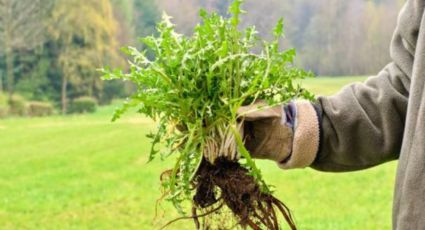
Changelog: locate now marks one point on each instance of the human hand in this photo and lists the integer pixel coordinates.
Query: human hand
(288, 134)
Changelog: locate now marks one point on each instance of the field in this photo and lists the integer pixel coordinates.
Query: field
(84, 172)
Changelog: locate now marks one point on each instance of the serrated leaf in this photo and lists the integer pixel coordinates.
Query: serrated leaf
(278, 29)
(235, 10)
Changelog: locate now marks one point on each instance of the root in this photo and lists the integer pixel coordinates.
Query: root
(194, 217)
(240, 193)
(226, 186)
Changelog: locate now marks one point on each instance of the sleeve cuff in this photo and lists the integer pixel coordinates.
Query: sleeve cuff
(306, 137)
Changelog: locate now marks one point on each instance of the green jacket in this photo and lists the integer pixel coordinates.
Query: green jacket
(384, 119)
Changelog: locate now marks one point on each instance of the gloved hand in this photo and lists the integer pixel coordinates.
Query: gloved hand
(288, 134)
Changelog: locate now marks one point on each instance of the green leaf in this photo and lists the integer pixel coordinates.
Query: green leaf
(278, 29)
(235, 11)
(166, 20)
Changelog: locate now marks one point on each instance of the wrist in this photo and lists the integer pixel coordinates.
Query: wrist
(306, 136)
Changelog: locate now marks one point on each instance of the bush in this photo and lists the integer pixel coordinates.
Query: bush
(18, 106)
(40, 109)
(83, 105)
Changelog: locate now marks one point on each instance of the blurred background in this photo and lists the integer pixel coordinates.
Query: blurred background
(80, 171)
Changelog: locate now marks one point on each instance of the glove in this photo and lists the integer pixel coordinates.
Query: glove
(288, 134)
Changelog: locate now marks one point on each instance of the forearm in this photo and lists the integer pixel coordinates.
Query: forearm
(362, 126)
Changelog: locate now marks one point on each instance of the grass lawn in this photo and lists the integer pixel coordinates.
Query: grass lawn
(83, 172)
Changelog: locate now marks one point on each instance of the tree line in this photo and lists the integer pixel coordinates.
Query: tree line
(50, 50)
(332, 37)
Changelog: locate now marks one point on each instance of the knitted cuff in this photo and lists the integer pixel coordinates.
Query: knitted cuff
(306, 137)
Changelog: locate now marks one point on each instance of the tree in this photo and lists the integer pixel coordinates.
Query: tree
(84, 31)
(137, 18)
(145, 17)
(21, 27)
(124, 14)
(32, 79)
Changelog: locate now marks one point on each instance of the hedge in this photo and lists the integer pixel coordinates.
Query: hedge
(83, 105)
(40, 109)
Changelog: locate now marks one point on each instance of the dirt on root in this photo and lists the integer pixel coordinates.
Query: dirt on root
(227, 185)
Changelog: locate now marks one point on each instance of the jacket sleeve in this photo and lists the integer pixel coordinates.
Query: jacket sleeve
(362, 126)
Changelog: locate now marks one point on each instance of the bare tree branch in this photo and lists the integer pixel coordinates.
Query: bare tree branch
(22, 23)
(21, 27)
(24, 14)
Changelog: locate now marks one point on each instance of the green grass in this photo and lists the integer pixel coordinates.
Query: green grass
(329, 85)
(83, 172)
